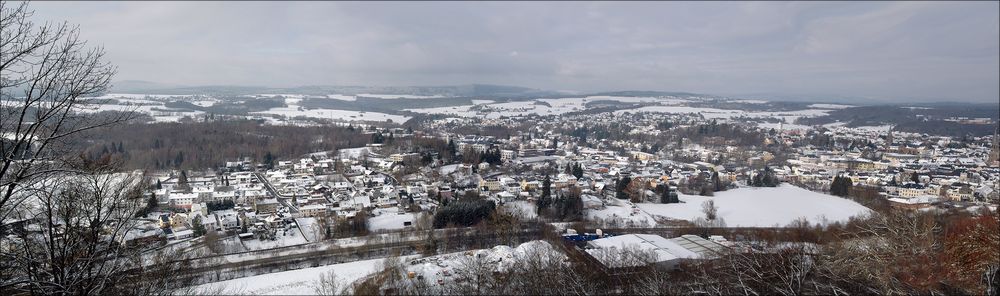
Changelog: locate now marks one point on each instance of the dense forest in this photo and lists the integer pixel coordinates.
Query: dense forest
(211, 144)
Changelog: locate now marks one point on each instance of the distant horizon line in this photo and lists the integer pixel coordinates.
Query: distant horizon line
(776, 97)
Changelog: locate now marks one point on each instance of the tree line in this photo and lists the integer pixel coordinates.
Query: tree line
(210, 144)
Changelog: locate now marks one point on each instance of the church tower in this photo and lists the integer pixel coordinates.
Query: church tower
(888, 139)
(994, 159)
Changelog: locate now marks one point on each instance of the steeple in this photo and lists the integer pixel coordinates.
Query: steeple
(888, 139)
(995, 149)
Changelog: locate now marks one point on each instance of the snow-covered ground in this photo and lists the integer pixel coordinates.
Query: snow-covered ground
(621, 213)
(830, 106)
(431, 269)
(460, 111)
(284, 238)
(526, 210)
(353, 153)
(715, 113)
(750, 101)
(309, 228)
(293, 282)
(762, 207)
(538, 106)
(390, 219)
(384, 96)
(442, 268)
(342, 97)
(875, 128)
(784, 126)
(294, 110)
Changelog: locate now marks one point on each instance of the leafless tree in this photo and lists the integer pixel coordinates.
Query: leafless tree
(45, 71)
(710, 210)
(75, 241)
(75, 211)
(329, 284)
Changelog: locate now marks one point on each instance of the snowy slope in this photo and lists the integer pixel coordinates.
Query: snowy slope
(763, 207)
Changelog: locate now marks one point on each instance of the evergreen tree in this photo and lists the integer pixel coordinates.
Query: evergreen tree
(546, 199)
(620, 187)
(665, 195)
(179, 159)
(182, 181)
(197, 227)
(452, 150)
(578, 171)
(152, 203)
(158, 184)
(269, 160)
(716, 182)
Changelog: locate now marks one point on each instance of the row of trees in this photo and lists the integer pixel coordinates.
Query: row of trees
(211, 144)
(463, 212)
(765, 178)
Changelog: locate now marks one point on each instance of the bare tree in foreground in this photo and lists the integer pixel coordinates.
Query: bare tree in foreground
(66, 218)
(45, 70)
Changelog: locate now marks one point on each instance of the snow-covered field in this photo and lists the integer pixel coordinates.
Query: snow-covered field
(750, 101)
(294, 110)
(763, 207)
(830, 106)
(342, 97)
(620, 212)
(293, 282)
(384, 96)
(284, 238)
(390, 219)
(433, 268)
(538, 106)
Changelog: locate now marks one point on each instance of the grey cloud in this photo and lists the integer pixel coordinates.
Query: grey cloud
(892, 50)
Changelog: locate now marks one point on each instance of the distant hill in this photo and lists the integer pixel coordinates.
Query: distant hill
(470, 90)
(138, 86)
(641, 93)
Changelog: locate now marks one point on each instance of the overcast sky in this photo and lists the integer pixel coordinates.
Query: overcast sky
(921, 51)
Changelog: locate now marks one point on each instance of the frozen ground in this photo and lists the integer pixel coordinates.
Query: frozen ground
(762, 207)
